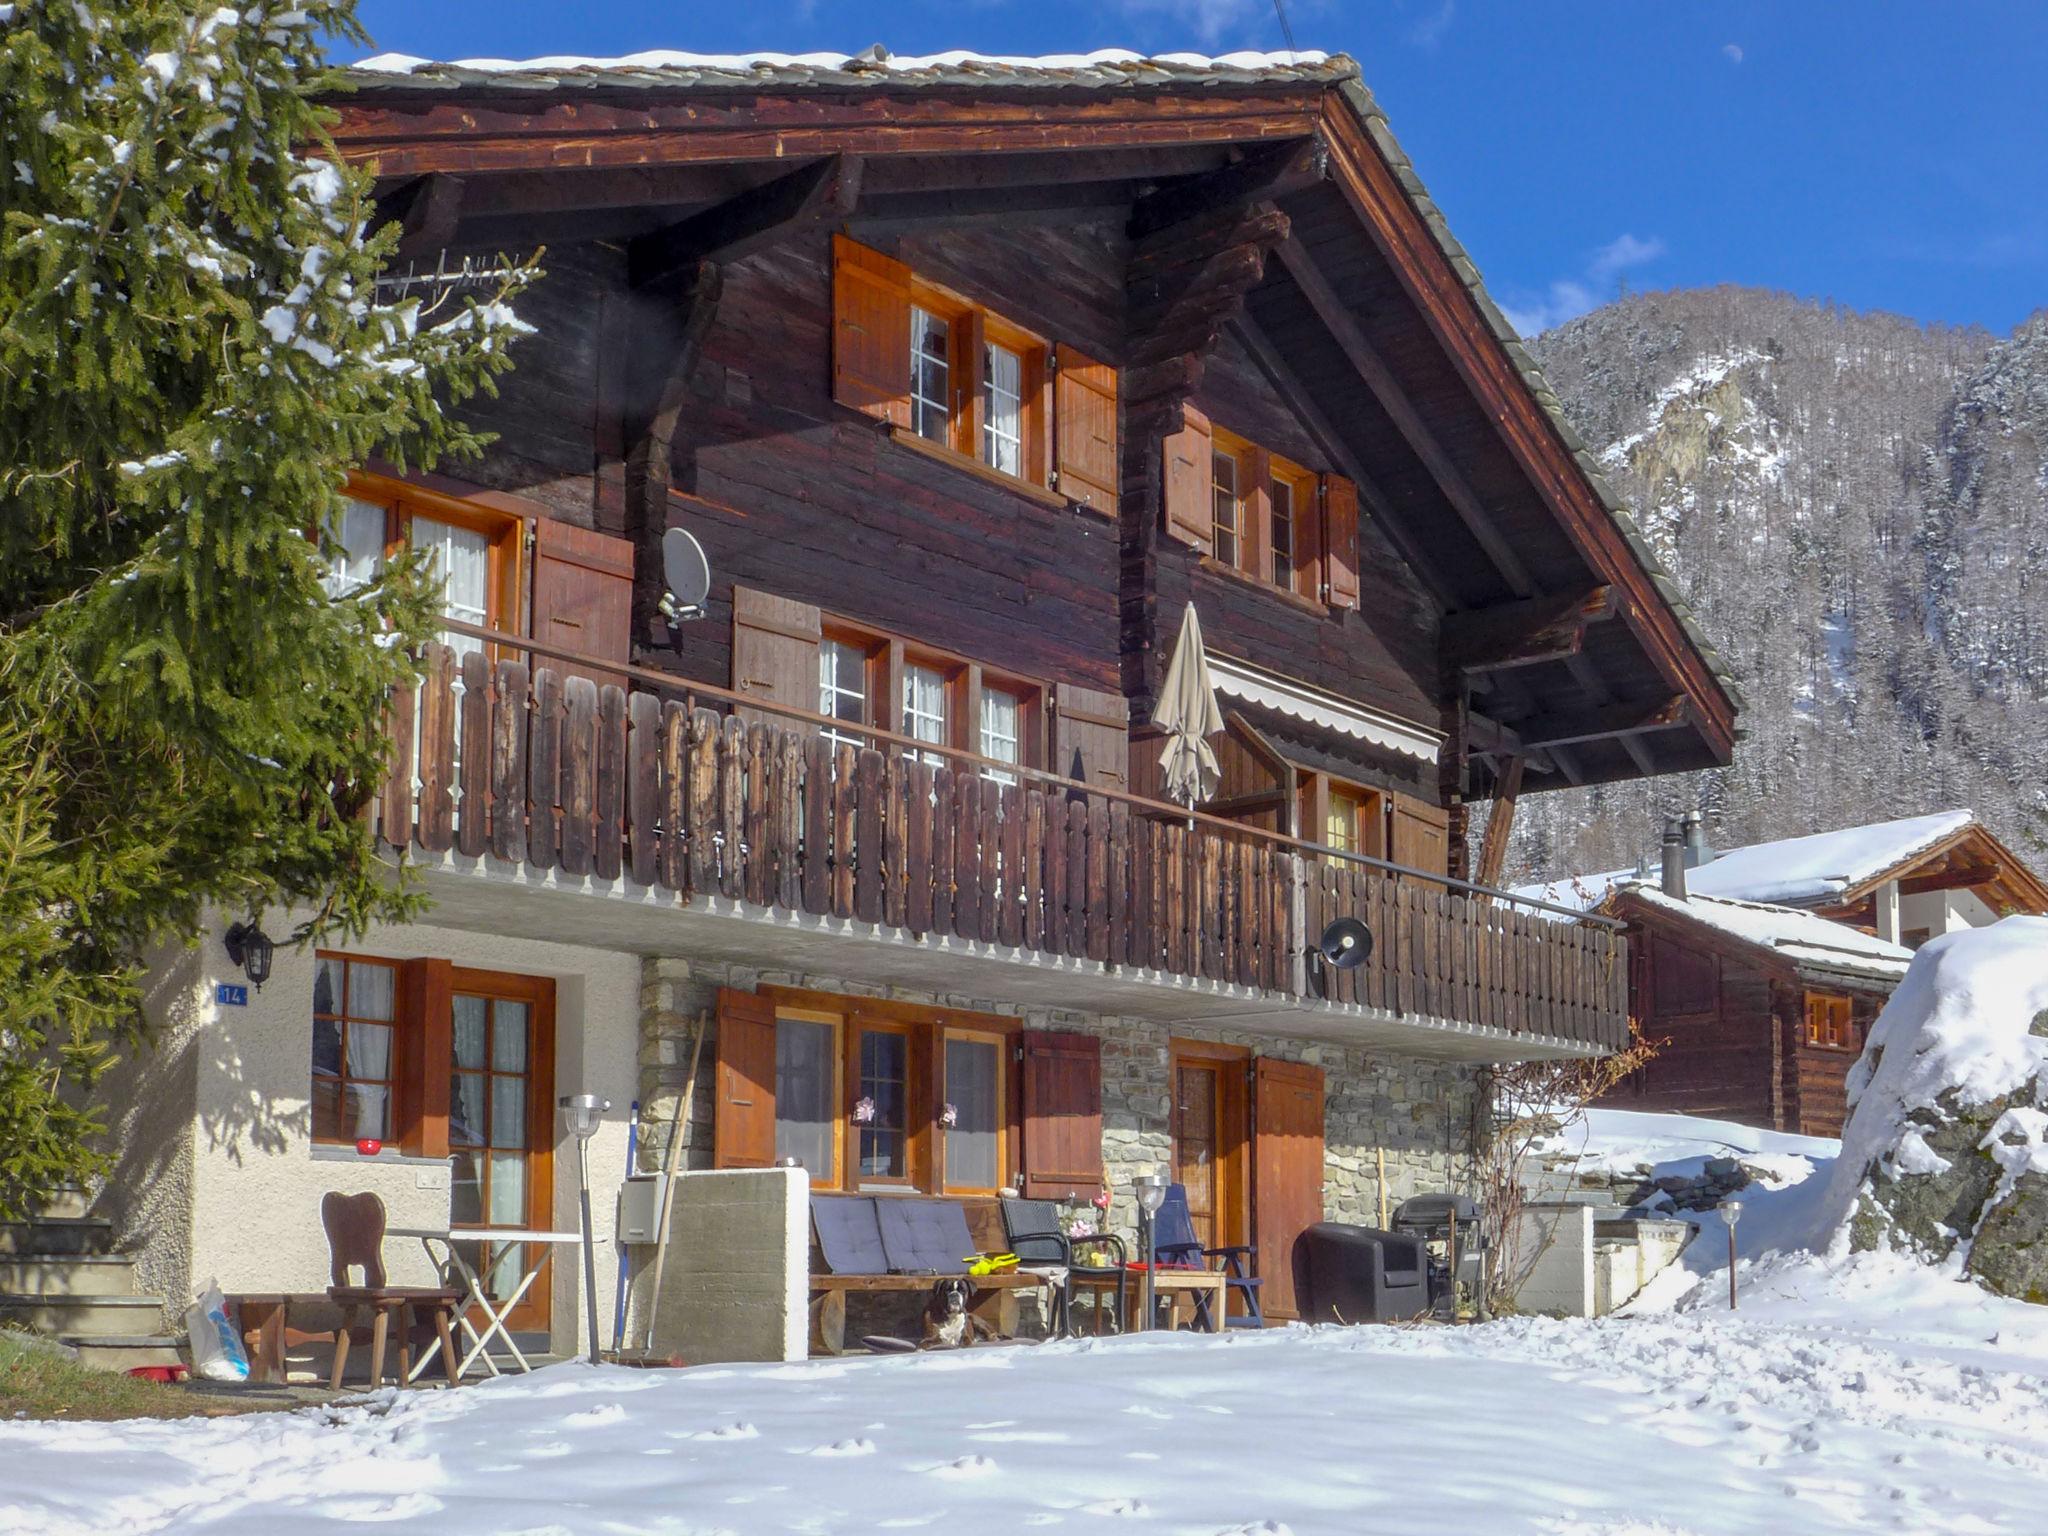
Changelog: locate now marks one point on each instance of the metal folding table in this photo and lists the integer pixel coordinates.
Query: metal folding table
(540, 1246)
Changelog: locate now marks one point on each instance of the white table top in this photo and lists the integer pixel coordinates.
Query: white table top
(488, 1234)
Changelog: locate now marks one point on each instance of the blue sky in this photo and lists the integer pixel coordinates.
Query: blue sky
(1884, 154)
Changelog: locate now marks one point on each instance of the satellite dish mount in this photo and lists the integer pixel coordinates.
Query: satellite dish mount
(688, 577)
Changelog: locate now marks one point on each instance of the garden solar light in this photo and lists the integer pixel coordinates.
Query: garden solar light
(1731, 1212)
(1150, 1190)
(582, 1113)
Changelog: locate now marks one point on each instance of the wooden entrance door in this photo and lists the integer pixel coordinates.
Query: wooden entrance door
(1287, 1171)
(1210, 1129)
(501, 1125)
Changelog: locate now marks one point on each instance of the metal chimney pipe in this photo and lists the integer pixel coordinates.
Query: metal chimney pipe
(1696, 850)
(1674, 858)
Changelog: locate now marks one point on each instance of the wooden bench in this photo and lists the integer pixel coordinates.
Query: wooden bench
(866, 1244)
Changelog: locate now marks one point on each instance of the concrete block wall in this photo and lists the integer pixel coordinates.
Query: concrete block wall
(734, 1280)
(1556, 1245)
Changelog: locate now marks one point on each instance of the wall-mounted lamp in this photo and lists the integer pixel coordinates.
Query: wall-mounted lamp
(250, 948)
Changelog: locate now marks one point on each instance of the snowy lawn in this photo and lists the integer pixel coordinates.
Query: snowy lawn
(1686, 1423)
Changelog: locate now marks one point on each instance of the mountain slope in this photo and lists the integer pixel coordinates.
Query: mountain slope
(1857, 507)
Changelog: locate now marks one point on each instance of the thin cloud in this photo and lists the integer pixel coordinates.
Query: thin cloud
(1429, 31)
(1569, 297)
(1732, 52)
(1211, 20)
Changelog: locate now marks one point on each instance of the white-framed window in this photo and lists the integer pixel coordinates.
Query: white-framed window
(1229, 533)
(358, 558)
(1002, 730)
(1002, 430)
(1283, 532)
(843, 687)
(924, 707)
(460, 559)
(931, 358)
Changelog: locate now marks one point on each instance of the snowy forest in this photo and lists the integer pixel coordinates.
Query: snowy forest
(1857, 507)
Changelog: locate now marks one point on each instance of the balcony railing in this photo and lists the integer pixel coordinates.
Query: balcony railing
(695, 790)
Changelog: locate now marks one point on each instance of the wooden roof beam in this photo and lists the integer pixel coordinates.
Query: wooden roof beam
(1626, 719)
(1265, 172)
(1525, 632)
(992, 205)
(1344, 329)
(822, 192)
(428, 210)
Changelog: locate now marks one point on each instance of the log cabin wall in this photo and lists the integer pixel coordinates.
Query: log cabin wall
(1816, 1077)
(1721, 1051)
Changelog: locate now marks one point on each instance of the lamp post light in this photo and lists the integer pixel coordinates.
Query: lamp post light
(1150, 1191)
(582, 1113)
(1731, 1212)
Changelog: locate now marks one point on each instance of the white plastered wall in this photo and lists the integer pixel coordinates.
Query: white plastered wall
(1942, 912)
(256, 1178)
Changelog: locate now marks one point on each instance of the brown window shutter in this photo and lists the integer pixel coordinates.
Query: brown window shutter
(583, 596)
(870, 332)
(775, 649)
(743, 1119)
(1340, 541)
(1085, 408)
(1190, 501)
(1062, 1076)
(1308, 541)
(1421, 835)
(1091, 736)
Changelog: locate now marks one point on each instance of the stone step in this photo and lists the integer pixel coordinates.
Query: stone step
(71, 1317)
(58, 1234)
(124, 1352)
(67, 1274)
(65, 1202)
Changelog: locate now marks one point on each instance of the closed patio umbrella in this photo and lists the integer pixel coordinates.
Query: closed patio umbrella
(1188, 713)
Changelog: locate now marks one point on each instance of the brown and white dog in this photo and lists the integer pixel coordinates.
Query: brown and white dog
(947, 1322)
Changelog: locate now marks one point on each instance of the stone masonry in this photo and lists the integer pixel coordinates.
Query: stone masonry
(1417, 1114)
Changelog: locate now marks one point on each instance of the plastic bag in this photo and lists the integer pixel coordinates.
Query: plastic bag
(217, 1352)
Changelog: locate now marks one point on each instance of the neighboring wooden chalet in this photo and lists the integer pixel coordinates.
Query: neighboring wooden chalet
(969, 376)
(1758, 1011)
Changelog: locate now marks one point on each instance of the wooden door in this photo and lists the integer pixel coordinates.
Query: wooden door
(1287, 1171)
(1196, 1134)
(501, 1126)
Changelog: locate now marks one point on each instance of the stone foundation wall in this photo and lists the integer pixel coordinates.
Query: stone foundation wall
(1416, 1116)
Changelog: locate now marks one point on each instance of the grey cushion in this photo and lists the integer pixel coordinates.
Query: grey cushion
(849, 1235)
(925, 1237)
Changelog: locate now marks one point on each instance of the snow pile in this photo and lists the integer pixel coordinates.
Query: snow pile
(1811, 941)
(1945, 1156)
(1528, 1427)
(1626, 1142)
(878, 58)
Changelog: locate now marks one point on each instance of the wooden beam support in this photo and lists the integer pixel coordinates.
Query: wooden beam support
(1522, 633)
(427, 211)
(822, 192)
(1500, 823)
(1601, 722)
(662, 341)
(1345, 330)
(1266, 172)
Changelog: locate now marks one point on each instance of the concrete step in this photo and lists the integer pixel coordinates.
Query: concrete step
(82, 1316)
(58, 1234)
(67, 1274)
(124, 1352)
(66, 1202)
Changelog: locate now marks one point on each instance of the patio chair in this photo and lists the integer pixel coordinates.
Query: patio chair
(355, 1240)
(1033, 1228)
(1176, 1246)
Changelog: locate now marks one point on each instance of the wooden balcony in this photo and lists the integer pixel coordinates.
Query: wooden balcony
(683, 789)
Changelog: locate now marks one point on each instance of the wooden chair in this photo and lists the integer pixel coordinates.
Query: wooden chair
(355, 1240)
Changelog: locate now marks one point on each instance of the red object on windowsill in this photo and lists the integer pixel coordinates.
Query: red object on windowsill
(369, 1146)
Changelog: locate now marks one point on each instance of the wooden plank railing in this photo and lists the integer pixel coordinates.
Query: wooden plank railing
(549, 769)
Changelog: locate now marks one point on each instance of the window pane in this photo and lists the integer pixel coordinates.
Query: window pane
(930, 388)
(843, 686)
(1283, 533)
(1223, 482)
(369, 1051)
(1002, 435)
(804, 1113)
(327, 985)
(508, 1036)
(508, 1189)
(326, 1049)
(883, 1061)
(924, 706)
(327, 1117)
(508, 1112)
(471, 1023)
(1001, 731)
(507, 1263)
(460, 559)
(370, 990)
(466, 1109)
(972, 1068)
(465, 1188)
(881, 1153)
(359, 533)
(367, 1113)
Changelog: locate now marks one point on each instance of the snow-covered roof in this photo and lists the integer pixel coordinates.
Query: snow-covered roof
(1811, 944)
(1798, 871)
(670, 68)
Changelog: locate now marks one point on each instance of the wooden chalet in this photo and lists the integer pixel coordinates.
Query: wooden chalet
(969, 376)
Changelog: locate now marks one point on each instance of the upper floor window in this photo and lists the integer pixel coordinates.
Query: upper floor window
(1002, 729)
(924, 706)
(843, 685)
(1224, 477)
(949, 373)
(472, 552)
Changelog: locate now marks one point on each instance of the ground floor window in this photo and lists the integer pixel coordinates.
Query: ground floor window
(807, 1092)
(1829, 1021)
(355, 1063)
(972, 1114)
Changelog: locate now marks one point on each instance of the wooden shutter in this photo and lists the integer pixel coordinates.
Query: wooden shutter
(1340, 541)
(743, 1120)
(1287, 1172)
(1091, 736)
(1308, 538)
(1084, 407)
(1062, 1076)
(583, 596)
(1190, 484)
(774, 651)
(1421, 836)
(870, 332)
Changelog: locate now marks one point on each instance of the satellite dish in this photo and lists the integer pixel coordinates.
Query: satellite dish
(1345, 944)
(688, 575)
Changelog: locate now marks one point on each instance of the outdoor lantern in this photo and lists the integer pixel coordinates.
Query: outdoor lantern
(582, 1113)
(1150, 1191)
(1150, 1188)
(250, 948)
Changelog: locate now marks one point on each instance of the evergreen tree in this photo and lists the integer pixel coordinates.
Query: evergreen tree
(192, 353)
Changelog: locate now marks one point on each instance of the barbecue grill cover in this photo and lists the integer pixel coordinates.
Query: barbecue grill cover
(1435, 1211)
(1347, 1274)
